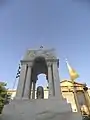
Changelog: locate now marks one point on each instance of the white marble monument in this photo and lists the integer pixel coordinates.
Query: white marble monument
(25, 106)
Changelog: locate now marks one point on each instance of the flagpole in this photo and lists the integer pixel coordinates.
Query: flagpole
(14, 84)
(17, 76)
(74, 90)
(75, 96)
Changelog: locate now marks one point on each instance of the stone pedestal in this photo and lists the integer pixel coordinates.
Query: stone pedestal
(51, 109)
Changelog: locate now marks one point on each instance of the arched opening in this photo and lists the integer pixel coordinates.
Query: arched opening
(42, 81)
(39, 76)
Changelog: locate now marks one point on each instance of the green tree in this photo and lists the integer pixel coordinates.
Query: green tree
(86, 118)
(4, 96)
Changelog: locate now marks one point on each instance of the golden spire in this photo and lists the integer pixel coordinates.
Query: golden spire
(73, 74)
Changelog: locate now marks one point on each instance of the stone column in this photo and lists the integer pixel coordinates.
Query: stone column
(76, 98)
(33, 93)
(27, 83)
(22, 78)
(56, 80)
(87, 98)
(30, 90)
(50, 80)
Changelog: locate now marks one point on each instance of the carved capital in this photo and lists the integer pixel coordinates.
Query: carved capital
(30, 64)
(49, 64)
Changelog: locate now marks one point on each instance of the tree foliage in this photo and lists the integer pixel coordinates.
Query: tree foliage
(4, 96)
(86, 117)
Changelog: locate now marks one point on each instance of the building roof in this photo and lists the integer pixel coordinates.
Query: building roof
(69, 82)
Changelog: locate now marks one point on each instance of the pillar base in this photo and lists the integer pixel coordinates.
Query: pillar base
(24, 98)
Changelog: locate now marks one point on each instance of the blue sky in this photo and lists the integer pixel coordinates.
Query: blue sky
(60, 24)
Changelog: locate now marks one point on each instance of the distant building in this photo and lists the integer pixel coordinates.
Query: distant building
(89, 91)
(82, 94)
(67, 89)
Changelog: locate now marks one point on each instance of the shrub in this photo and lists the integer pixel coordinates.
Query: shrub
(4, 96)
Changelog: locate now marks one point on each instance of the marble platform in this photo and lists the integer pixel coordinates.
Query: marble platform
(50, 109)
